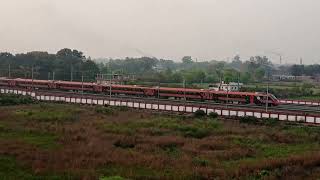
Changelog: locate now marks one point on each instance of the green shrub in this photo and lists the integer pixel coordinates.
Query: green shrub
(249, 120)
(112, 178)
(270, 121)
(172, 149)
(196, 133)
(48, 115)
(13, 99)
(124, 143)
(111, 110)
(104, 110)
(120, 108)
(200, 162)
(213, 115)
(199, 113)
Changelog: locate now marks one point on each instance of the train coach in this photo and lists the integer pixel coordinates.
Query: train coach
(140, 91)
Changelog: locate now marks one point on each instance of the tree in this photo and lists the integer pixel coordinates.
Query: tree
(187, 60)
(230, 75)
(199, 75)
(177, 77)
(259, 74)
(297, 70)
(236, 62)
(245, 77)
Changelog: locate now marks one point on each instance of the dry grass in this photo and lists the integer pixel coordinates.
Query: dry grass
(83, 142)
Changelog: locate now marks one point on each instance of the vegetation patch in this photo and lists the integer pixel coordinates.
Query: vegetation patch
(125, 143)
(111, 110)
(12, 99)
(302, 131)
(213, 115)
(131, 172)
(187, 128)
(172, 149)
(197, 161)
(134, 146)
(9, 169)
(104, 110)
(112, 178)
(50, 113)
(42, 140)
(259, 121)
(199, 113)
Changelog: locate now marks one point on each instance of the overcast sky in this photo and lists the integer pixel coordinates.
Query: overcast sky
(204, 29)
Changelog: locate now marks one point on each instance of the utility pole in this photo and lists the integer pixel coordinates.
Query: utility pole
(32, 75)
(158, 90)
(9, 70)
(184, 90)
(184, 94)
(227, 96)
(81, 86)
(71, 71)
(267, 98)
(158, 94)
(239, 81)
(53, 75)
(110, 83)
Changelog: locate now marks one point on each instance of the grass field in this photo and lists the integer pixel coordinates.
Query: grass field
(57, 141)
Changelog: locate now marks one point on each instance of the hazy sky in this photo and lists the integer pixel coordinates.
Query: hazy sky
(205, 29)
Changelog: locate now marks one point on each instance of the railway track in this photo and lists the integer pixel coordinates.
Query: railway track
(285, 112)
(303, 108)
(284, 107)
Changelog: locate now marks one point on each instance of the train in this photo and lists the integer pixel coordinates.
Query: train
(255, 98)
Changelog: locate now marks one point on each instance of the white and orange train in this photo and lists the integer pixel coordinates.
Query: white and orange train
(141, 91)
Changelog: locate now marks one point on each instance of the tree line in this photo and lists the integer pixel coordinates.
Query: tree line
(64, 65)
(309, 70)
(68, 64)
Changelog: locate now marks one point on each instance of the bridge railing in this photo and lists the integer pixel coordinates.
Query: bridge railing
(302, 102)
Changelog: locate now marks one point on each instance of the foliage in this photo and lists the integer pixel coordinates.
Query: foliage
(112, 178)
(286, 92)
(200, 113)
(187, 60)
(110, 110)
(50, 113)
(196, 128)
(62, 63)
(70, 64)
(213, 115)
(262, 121)
(270, 121)
(42, 140)
(124, 144)
(249, 120)
(10, 169)
(12, 99)
(104, 110)
(201, 162)
(142, 145)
